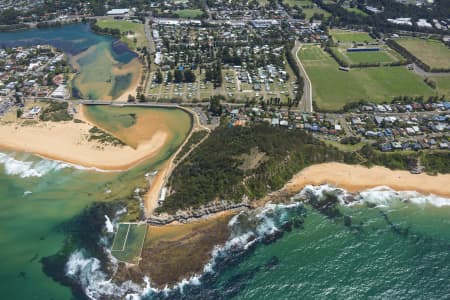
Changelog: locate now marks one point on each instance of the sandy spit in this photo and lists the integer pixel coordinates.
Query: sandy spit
(68, 142)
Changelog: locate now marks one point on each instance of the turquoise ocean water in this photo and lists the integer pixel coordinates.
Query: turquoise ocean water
(397, 246)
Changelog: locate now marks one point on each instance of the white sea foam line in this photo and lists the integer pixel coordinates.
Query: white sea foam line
(31, 165)
(78, 167)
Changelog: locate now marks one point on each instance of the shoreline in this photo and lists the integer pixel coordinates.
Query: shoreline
(357, 178)
(134, 84)
(68, 142)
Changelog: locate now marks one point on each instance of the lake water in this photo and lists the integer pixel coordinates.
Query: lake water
(106, 67)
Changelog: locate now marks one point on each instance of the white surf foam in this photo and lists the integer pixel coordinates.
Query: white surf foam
(29, 168)
(381, 196)
(247, 228)
(94, 282)
(109, 225)
(384, 196)
(26, 166)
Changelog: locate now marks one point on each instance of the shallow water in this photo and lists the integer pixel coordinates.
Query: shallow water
(396, 247)
(37, 196)
(395, 251)
(105, 67)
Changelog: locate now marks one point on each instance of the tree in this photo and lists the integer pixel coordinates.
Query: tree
(9, 16)
(214, 106)
(19, 113)
(218, 75)
(169, 76)
(189, 76)
(178, 76)
(159, 77)
(131, 98)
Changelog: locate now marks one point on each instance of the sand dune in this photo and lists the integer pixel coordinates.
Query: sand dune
(68, 141)
(356, 178)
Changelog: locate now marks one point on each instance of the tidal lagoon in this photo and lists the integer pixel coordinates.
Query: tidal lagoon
(106, 67)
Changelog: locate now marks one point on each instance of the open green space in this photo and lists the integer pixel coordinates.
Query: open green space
(345, 36)
(333, 88)
(443, 84)
(356, 10)
(432, 52)
(120, 237)
(131, 33)
(189, 13)
(128, 242)
(308, 8)
(386, 55)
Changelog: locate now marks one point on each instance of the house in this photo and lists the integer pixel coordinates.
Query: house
(284, 123)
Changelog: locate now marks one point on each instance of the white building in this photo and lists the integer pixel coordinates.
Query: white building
(118, 12)
(60, 92)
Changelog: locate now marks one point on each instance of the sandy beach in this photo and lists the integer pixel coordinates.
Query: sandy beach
(356, 178)
(68, 142)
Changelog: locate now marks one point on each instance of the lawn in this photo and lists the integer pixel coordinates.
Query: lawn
(345, 36)
(357, 11)
(119, 238)
(133, 235)
(443, 84)
(431, 52)
(126, 26)
(384, 56)
(189, 13)
(333, 88)
(308, 7)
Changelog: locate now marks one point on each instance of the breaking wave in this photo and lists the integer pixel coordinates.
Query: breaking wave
(248, 228)
(28, 166)
(381, 196)
(95, 283)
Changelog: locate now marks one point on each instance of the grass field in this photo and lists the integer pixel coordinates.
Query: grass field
(345, 36)
(384, 56)
(357, 11)
(333, 88)
(431, 52)
(308, 7)
(443, 84)
(188, 13)
(124, 26)
(128, 242)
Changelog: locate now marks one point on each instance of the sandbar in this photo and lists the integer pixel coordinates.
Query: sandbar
(68, 142)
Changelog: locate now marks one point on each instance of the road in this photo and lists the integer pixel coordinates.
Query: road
(421, 72)
(149, 36)
(306, 104)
